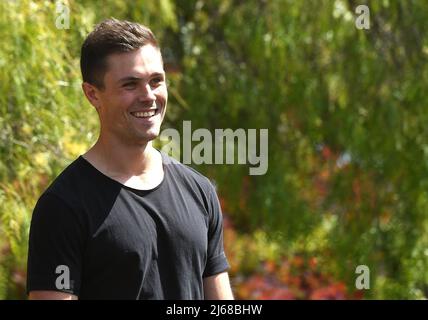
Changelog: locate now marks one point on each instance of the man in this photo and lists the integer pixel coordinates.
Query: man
(125, 221)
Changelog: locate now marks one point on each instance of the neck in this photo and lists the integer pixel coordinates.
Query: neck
(119, 160)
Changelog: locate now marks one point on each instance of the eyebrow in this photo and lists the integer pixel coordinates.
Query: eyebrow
(133, 78)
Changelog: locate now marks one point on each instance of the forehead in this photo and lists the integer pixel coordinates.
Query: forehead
(142, 62)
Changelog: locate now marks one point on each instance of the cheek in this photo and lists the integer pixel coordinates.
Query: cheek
(119, 102)
(162, 96)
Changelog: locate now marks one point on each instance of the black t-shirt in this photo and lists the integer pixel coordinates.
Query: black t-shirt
(115, 242)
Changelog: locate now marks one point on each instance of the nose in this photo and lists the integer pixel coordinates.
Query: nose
(147, 93)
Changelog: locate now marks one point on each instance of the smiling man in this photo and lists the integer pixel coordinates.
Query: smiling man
(125, 221)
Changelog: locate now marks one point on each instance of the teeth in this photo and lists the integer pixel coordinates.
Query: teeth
(144, 114)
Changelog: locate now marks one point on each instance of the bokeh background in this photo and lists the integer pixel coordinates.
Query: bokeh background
(346, 110)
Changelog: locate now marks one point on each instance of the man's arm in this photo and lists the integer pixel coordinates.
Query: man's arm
(56, 239)
(217, 287)
(51, 295)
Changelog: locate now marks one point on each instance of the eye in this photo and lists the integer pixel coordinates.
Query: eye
(156, 81)
(129, 85)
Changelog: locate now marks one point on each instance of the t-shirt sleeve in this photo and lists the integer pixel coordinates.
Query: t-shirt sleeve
(216, 259)
(55, 247)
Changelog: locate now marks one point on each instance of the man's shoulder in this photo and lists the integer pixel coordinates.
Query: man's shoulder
(70, 183)
(186, 173)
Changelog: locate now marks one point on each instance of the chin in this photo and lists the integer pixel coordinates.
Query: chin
(149, 136)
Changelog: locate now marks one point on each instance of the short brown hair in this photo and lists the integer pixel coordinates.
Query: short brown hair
(111, 36)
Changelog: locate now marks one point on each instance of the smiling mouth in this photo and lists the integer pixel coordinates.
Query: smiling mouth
(145, 114)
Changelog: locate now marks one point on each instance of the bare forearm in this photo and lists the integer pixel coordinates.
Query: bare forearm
(51, 295)
(217, 287)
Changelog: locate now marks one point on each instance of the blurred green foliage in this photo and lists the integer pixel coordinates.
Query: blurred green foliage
(345, 108)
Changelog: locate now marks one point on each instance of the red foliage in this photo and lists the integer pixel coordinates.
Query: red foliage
(264, 288)
(296, 278)
(335, 291)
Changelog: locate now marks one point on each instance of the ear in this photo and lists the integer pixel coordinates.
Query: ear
(92, 94)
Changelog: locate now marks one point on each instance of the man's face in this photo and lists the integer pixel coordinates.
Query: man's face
(133, 103)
